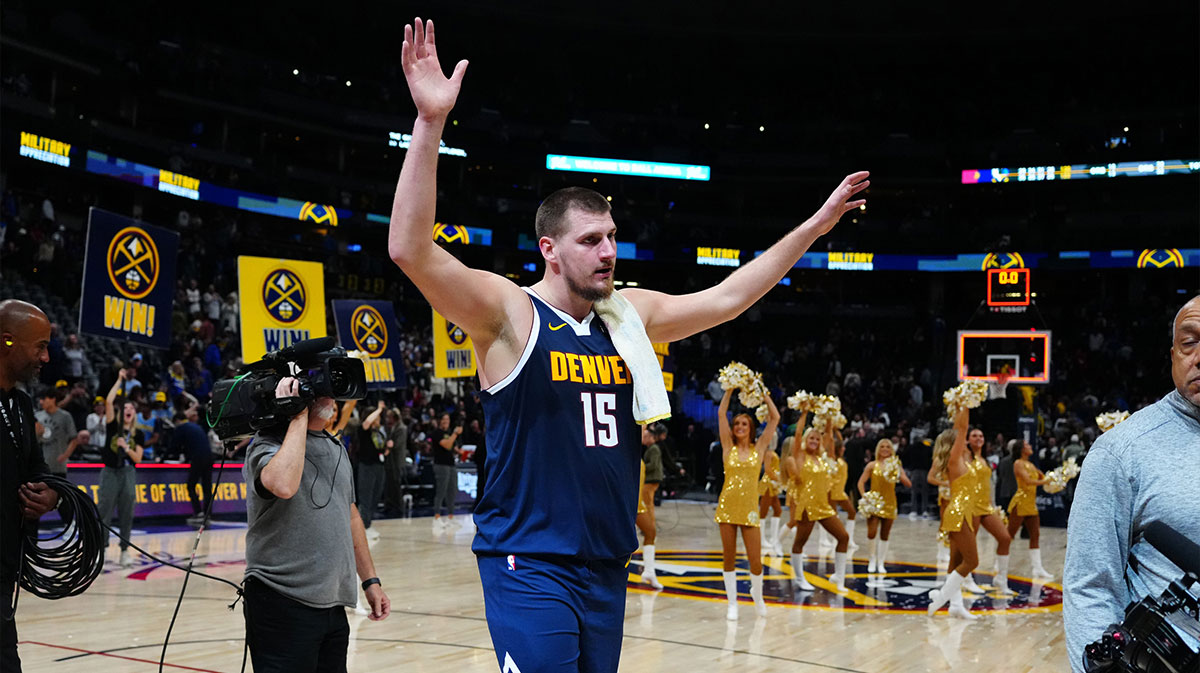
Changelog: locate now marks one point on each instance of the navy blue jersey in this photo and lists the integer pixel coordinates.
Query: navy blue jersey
(563, 448)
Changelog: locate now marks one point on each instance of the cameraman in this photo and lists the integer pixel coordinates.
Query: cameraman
(304, 542)
(1135, 474)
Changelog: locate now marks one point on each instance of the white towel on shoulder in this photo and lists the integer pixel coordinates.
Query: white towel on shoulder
(628, 333)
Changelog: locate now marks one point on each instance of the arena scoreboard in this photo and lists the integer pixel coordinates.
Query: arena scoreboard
(1008, 287)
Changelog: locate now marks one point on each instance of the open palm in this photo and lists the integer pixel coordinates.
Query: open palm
(433, 93)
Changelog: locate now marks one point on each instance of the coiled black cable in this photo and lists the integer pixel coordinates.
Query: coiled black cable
(67, 563)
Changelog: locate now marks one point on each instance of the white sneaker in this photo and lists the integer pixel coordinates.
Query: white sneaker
(125, 561)
(731, 613)
(838, 581)
(652, 580)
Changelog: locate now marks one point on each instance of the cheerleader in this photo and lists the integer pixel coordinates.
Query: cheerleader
(837, 492)
(652, 474)
(877, 470)
(1022, 509)
(937, 477)
(988, 513)
(769, 511)
(958, 521)
(810, 503)
(737, 507)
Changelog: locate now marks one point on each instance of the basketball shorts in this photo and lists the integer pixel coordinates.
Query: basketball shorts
(550, 614)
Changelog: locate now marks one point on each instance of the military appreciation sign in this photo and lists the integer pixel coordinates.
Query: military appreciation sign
(370, 327)
(128, 280)
(453, 353)
(282, 302)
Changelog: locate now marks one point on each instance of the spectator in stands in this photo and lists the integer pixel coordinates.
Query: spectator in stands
(193, 298)
(58, 437)
(96, 424)
(77, 364)
(212, 304)
(1074, 450)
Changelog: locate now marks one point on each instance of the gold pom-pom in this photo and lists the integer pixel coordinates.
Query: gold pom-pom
(890, 469)
(1056, 479)
(761, 413)
(944, 538)
(1109, 420)
(831, 465)
(943, 491)
(871, 504)
(802, 400)
(966, 395)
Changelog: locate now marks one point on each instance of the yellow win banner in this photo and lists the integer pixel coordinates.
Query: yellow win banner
(453, 353)
(282, 302)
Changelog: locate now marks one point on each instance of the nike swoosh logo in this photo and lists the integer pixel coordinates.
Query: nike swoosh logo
(555, 329)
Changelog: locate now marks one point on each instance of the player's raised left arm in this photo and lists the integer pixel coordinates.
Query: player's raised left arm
(673, 317)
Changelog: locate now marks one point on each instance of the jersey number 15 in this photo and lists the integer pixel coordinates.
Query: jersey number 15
(599, 423)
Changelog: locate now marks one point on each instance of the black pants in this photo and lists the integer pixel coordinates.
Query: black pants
(9, 661)
(286, 636)
(200, 473)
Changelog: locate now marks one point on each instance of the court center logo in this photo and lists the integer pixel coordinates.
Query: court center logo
(457, 336)
(1160, 259)
(284, 296)
(318, 213)
(451, 233)
(1003, 260)
(133, 262)
(369, 331)
(903, 589)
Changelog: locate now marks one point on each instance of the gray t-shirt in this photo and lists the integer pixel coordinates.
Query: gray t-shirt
(301, 547)
(59, 431)
(1137, 473)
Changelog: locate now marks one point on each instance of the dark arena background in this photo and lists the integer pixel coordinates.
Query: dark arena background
(186, 188)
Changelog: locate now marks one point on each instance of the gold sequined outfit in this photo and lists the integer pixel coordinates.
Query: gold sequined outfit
(886, 489)
(738, 504)
(812, 494)
(982, 502)
(641, 482)
(838, 490)
(769, 484)
(962, 504)
(1024, 501)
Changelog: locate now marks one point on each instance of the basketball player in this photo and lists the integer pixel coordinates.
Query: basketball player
(556, 517)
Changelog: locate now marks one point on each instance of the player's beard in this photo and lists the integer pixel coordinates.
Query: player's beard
(588, 292)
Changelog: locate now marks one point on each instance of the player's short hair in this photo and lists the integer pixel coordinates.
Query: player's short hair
(551, 219)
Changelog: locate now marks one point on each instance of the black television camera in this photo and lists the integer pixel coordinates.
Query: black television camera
(247, 403)
(1150, 638)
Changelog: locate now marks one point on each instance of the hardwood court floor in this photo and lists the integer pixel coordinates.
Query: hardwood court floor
(437, 621)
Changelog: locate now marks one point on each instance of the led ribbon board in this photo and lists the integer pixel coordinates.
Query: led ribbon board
(45, 149)
(645, 169)
(973, 176)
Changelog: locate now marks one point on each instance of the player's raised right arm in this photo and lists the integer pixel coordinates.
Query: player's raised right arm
(475, 300)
